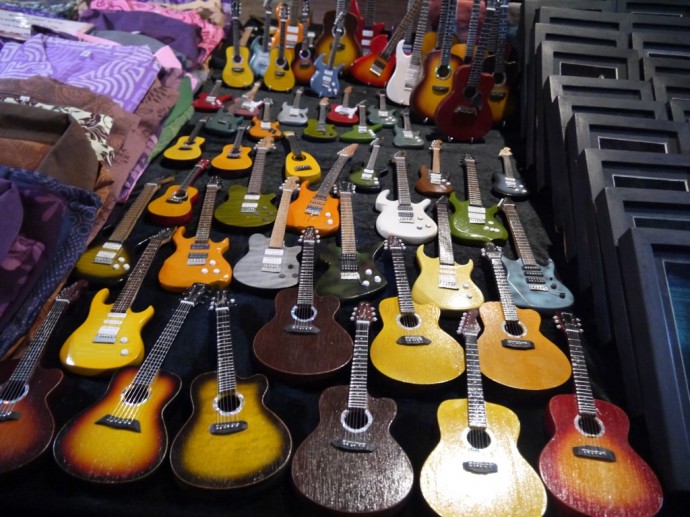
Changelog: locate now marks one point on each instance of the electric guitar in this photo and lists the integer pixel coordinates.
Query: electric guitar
(366, 177)
(532, 286)
(405, 137)
(211, 101)
(362, 469)
(343, 114)
(292, 114)
(403, 218)
(175, 206)
(338, 38)
(369, 33)
(471, 222)
(361, 132)
(187, 149)
(325, 82)
(476, 468)
(225, 121)
(231, 440)
(351, 274)
(246, 106)
(197, 259)
(110, 337)
(247, 207)
(122, 437)
(588, 465)
(499, 97)
(269, 264)
(303, 341)
(303, 65)
(382, 115)
(516, 354)
(261, 46)
(300, 163)
(237, 73)
(111, 261)
(293, 31)
(319, 209)
(234, 160)
(508, 184)
(26, 423)
(261, 128)
(433, 182)
(411, 347)
(317, 130)
(279, 76)
(441, 280)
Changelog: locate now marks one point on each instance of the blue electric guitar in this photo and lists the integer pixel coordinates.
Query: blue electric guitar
(260, 47)
(325, 80)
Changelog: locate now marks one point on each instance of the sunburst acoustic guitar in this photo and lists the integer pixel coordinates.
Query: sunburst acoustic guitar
(174, 207)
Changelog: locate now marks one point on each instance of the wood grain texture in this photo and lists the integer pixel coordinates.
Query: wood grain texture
(87, 267)
(425, 186)
(248, 271)
(230, 211)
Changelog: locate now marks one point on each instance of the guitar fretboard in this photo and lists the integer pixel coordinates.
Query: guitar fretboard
(321, 125)
(416, 57)
(236, 148)
(278, 232)
(305, 289)
(375, 147)
(583, 386)
(348, 241)
(316, 204)
(227, 379)
(499, 66)
(257, 178)
(522, 246)
(476, 405)
(477, 64)
(509, 310)
(402, 283)
(445, 243)
(206, 215)
(473, 192)
(405, 213)
(472, 31)
(357, 395)
(447, 36)
(124, 227)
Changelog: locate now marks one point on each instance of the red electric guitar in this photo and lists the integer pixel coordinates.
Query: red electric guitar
(343, 114)
(211, 101)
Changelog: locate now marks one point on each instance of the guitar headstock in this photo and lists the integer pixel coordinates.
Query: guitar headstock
(399, 156)
(202, 165)
(70, 293)
(375, 143)
(214, 181)
(324, 102)
(345, 187)
(267, 143)
(348, 151)
(235, 10)
(290, 184)
(469, 324)
(442, 201)
(363, 313)
(567, 321)
(267, 8)
(268, 101)
(492, 252)
(195, 294)
(310, 236)
(436, 145)
(163, 235)
(221, 301)
(468, 159)
(393, 242)
(284, 12)
(505, 152)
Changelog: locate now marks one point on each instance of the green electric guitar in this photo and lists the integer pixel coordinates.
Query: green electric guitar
(318, 130)
(382, 115)
(366, 177)
(361, 132)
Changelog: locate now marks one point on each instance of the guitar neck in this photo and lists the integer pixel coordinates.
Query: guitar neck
(436, 158)
(507, 165)
(294, 146)
(472, 31)
(509, 310)
(416, 57)
(404, 199)
(265, 40)
(476, 404)
(473, 193)
(445, 243)
(236, 29)
(191, 178)
(321, 124)
(382, 101)
(216, 88)
(227, 379)
(357, 394)
(583, 387)
(126, 224)
(407, 125)
(305, 288)
(375, 148)
(499, 63)
(524, 250)
(206, 216)
(195, 132)
(448, 33)
(346, 97)
(328, 182)
(348, 242)
(478, 62)
(257, 177)
(405, 304)
(297, 99)
(278, 233)
(442, 23)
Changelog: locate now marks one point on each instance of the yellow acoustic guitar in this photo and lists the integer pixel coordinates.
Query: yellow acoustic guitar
(198, 259)
(300, 163)
(174, 207)
(411, 347)
(187, 148)
(110, 337)
(237, 73)
(279, 76)
(234, 159)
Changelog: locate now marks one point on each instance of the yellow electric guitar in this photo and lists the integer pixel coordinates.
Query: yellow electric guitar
(187, 149)
(279, 76)
(263, 127)
(110, 337)
(442, 281)
(231, 440)
(300, 163)
(198, 259)
(234, 159)
(411, 347)
(237, 73)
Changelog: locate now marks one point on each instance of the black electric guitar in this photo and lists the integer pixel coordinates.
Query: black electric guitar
(507, 183)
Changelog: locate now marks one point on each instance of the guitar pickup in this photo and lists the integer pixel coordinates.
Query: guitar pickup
(476, 214)
(228, 427)
(313, 209)
(126, 424)
(377, 67)
(104, 257)
(249, 207)
(480, 467)
(353, 445)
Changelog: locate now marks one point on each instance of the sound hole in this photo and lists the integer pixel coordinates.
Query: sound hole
(356, 420)
(589, 425)
(409, 321)
(479, 438)
(12, 391)
(228, 403)
(514, 328)
(135, 394)
(443, 71)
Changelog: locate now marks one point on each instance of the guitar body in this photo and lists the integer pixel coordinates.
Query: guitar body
(352, 481)
(498, 102)
(291, 116)
(360, 135)
(83, 355)
(542, 367)
(105, 454)
(432, 87)
(360, 69)
(327, 222)
(370, 280)
(464, 118)
(425, 186)
(306, 168)
(233, 164)
(300, 355)
(260, 59)
(303, 66)
(591, 486)
(279, 76)
(170, 213)
(348, 50)
(556, 297)
(450, 489)
(407, 139)
(230, 212)
(248, 271)
(395, 87)
(208, 267)
(365, 182)
(183, 151)
(247, 108)
(474, 233)
(439, 361)
(426, 288)
(512, 187)
(103, 264)
(259, 130)
(223, 123)
(386, 118)
(422, 228)
(27, 430)
(342, 116)
(312, 133)
(234, 460)
(207, 103)
(237, 73)
(325, 82)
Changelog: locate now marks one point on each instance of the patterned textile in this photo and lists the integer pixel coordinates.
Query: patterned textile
(210, 10)
(65, 9)
(178, 117)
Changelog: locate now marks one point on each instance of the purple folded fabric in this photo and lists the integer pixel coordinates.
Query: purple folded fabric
(11, 215)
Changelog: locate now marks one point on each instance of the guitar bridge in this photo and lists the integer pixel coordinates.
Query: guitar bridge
(353, 445)
(480, 467)
(227, 427)
(6, 416)
(197, 259)
(126, 424)
(476, 214)
(272, 260)
(446, 277)
(466, 110)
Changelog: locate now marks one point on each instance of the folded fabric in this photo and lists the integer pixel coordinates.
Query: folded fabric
(209, 10)
(11, 215)
(182, 112)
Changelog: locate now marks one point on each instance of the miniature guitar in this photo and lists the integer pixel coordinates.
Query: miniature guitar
(343, 114)
(261, 128)
(237, 73)
(441, 280)
(361, 132)
(300, 163)
(403, 218)
(508, 184)
(319, 209)
(588, 465)
(303, 65)
(246, 106)
(293, 31)
(269, 264)
(325, 82)
(366, 177)
(369, 33)
(110, 337)
(303, 341)
(231, 440)
(261, 46)
(433, 182)
(476, 468)
(247, 207)
(292, 114)
(411, 347)
(382, 115)
(515, 353)
(197, 259)
(211, 101)
(224, 122)
(318, 130)
(351, 274)
(362, 469)
(234, 160)
(467, 48)
(338, 38)
(405, 137)
(278, 75)
(471, 222)
(499, 97)
(187, 149)
(532, 286)
(123, 437)
(26, 423)
(175, 206)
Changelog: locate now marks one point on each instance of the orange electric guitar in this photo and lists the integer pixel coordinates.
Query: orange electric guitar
(235, 158)
(293, 30)
(175, 206)
(261, 128)
(187, 149)
(279, 75)
(198, 259)
(237, 73)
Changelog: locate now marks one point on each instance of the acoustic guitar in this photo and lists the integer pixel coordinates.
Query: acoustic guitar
(123, 437)
(325, 82)
(197, 259)
(261, 128)
(343, 114)
(588, 465)
(303, 65)
(361, 132)
(516, 354)
(338, 38)
(441, 280)
(499, 97)
(318, 130)
(476, 468)
(231, 440)
(292, 114)
(110, 337)
(261, 46)
(247, 207)
(174, 207)
(361, 468)
(405, 137)
(234, 159)
(300, 163)
(269, 263)
(411, 347)
(211, 101)
(26, 423)
(433, 181)
(279, 76)
(507, 183)
(225, 122)
(365, 177)
(303, 341)
(237, 73)
(381, 114)
(187, 149)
